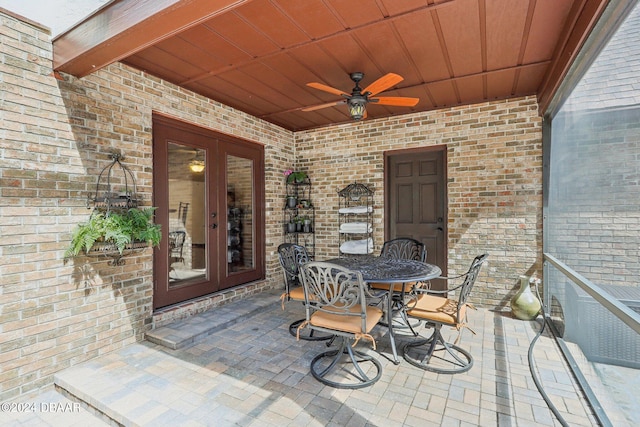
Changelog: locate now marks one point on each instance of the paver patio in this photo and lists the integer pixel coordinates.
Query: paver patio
(247, 370)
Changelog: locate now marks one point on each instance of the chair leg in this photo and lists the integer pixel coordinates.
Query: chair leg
(403, 322)
(436, 355)
(329, 364)
(408, 324)
(310, 336)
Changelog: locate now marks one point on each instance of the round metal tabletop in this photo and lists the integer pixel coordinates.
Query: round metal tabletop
(388, 270)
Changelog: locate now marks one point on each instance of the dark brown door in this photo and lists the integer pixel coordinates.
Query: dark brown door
(416, 199)
(209, 203)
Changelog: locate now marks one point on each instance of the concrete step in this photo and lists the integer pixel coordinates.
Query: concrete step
(185, 332)
(138, 385)
(145, 383)
(51, 408)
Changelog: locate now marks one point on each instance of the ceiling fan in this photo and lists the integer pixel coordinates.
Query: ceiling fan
(359, 98)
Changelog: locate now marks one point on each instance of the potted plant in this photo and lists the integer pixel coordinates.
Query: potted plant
(291, 226)
(305, 203)
(113, 232)
(292, 202)
(307, 224)
(295, 177)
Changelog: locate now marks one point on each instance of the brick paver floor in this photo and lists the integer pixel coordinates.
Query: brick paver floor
(251, 372)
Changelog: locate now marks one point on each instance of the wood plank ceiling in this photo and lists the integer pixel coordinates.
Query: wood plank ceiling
(258, 55)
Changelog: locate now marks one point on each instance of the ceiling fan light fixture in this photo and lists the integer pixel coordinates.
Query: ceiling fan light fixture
(196, 166)
(356, 107)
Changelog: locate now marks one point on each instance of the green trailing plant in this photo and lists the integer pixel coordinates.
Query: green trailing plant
(119, 229)
(292, 176)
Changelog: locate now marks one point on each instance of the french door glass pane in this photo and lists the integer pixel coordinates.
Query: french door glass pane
(187, 216)
(240, 227)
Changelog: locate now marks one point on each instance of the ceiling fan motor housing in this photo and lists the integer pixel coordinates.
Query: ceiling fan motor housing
(357, 76)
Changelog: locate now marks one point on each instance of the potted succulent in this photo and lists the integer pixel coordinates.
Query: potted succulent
(111, 232)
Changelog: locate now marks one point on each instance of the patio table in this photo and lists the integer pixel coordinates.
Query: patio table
(375, 269)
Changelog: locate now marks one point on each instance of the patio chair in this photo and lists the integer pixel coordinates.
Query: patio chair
(291, 257)
(435, 353)
(401, 248)
(183, 208)
(335, 304)
(176, 244)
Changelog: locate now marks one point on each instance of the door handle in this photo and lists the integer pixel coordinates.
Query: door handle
(214, 226)
(213, 214)
(440, 229)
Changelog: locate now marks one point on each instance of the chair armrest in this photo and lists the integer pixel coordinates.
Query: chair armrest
(428, 290)
(453, 277)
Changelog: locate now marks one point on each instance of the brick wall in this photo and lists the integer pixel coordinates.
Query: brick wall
(494, 170)
(593, 217)
(56, 136)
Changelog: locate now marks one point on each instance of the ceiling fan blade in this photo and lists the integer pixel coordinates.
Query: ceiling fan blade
(328, 104)
(326, 88)
(399, 101)
(383, 83)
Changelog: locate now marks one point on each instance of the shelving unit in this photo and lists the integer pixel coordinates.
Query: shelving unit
(294, 214)
(234, 238)
(355, 214)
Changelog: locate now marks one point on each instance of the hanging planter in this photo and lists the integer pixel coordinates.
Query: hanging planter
(116, 227)
(110, 249)
(114, 234)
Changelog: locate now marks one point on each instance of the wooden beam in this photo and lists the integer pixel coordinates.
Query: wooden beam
(124, 27)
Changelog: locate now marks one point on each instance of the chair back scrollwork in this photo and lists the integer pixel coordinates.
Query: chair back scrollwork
(404, 248)
(333, 288)
(176, 244)
(291, 257)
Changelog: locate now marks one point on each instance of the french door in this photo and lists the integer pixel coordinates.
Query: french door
(210, 202)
